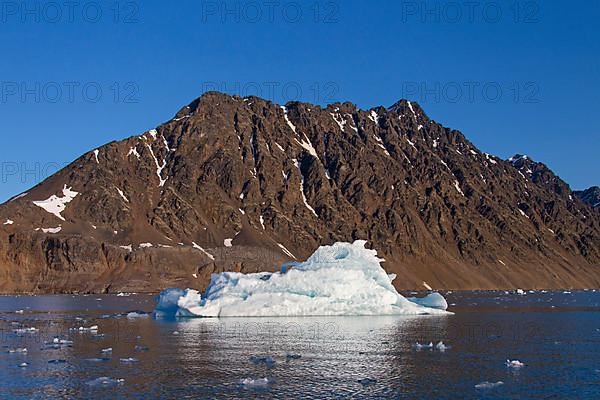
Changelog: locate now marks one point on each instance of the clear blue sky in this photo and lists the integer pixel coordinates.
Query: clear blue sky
(544, 57)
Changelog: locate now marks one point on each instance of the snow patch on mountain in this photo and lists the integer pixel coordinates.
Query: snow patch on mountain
(56, 205)
(197, 247)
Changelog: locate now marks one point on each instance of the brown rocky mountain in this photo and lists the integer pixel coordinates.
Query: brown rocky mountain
(589, 196)
(243, 184)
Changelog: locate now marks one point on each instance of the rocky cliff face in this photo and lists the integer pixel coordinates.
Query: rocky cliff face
(243, 184)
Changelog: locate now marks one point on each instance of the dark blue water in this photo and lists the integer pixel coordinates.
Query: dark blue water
(556, 335)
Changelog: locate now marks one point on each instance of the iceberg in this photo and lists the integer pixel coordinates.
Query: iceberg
(336, 280)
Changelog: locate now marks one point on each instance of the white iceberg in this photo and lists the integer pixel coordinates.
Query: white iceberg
(342, 279)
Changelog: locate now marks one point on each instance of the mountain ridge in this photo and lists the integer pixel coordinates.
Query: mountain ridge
(244, 184)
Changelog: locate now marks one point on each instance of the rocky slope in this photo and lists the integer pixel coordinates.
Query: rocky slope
(589, 196)
(243, 184)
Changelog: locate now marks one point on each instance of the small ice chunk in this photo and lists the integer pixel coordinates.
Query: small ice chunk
(105, 381)
(23, 365)
(18, 350)
(107, 350)
(134, 315)
(129, 360)
(260, 382)
(488, 385)
(441, 346)
(433, 300)
(81, 329)
(418, 346)
(514, 364)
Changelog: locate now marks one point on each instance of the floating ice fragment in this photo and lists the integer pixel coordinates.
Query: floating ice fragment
(104, 381)
(488, 385)
(441, 346)
(342, 279)
(81, 329)
(260, 382)
(18, 350)
(22, 331)
(514, 364)
(107, 350)
(23, 365)
(134, 315)
(418, 346)
(433, 300)
(129, 360)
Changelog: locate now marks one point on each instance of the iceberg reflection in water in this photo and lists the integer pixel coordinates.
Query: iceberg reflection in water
(342, 279)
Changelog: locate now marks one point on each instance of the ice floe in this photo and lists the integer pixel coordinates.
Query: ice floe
(341, 279)
(488, 385)
(514, 364)
(260, 382)
(56, 205)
